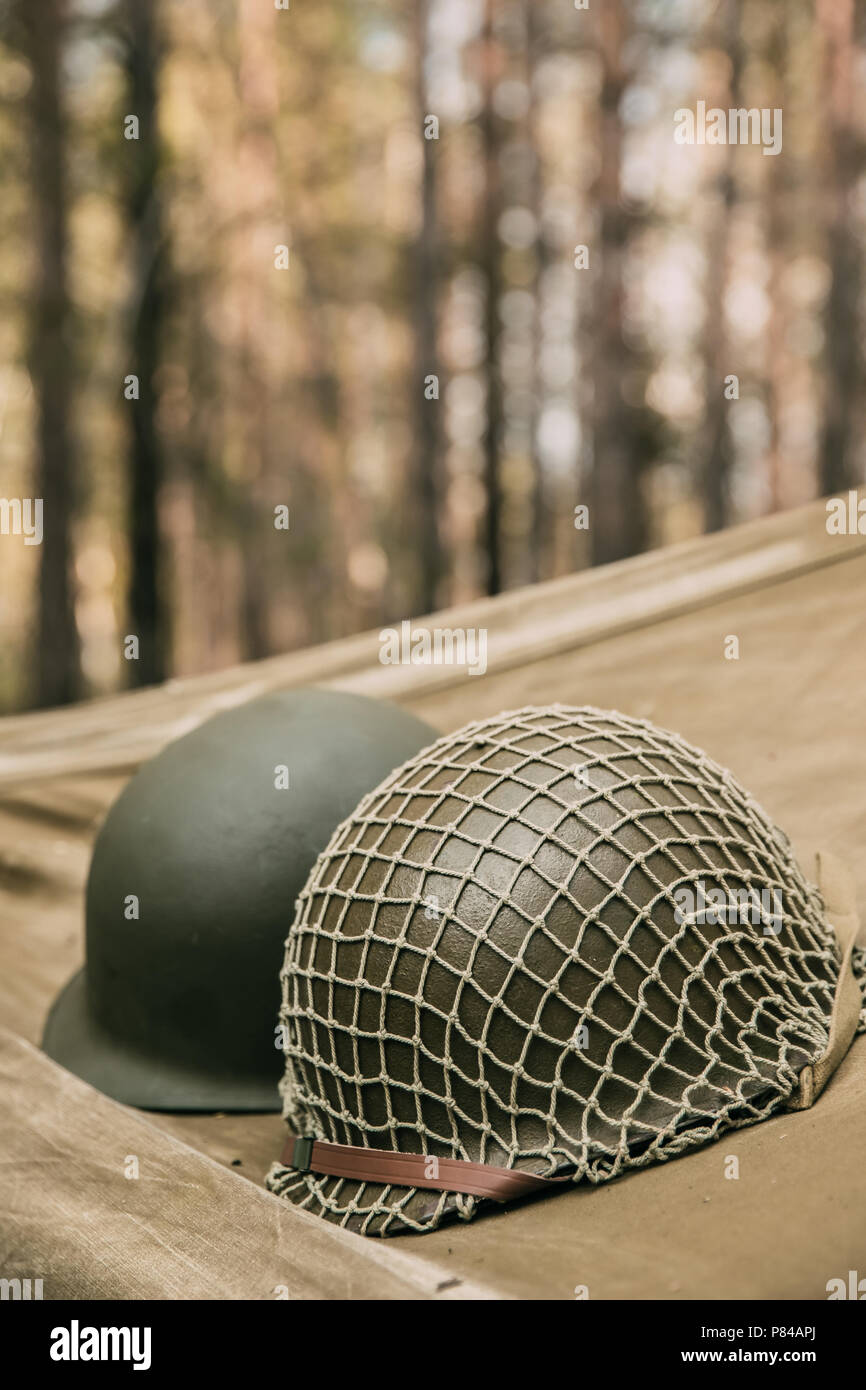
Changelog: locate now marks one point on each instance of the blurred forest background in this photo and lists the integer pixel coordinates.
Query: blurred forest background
(408, 258)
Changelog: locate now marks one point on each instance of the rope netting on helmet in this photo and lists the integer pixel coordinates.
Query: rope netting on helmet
(561, 940)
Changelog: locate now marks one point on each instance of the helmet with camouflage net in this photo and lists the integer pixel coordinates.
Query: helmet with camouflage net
(556, 945)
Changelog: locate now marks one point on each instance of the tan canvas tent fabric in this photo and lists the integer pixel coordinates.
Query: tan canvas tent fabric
(647, 637)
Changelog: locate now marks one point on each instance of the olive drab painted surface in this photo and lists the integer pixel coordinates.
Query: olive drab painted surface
(192, 890)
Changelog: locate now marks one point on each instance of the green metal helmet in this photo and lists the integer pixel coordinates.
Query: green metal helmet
(192, 890)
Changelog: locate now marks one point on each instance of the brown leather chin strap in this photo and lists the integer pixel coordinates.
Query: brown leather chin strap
(411, 1170)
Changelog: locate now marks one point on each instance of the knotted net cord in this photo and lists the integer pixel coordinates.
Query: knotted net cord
(487, 963)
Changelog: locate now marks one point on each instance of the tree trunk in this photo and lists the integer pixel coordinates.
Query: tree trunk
(717, 444)
(56, 660)
(539, 522)
(490, 260)
(617, 514)
(843, 355)
(148, 612)
(425, 271)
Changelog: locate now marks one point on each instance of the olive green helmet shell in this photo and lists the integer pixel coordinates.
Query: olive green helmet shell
(192, 890)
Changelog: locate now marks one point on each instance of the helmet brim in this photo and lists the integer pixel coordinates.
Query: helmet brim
(75, 1039)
